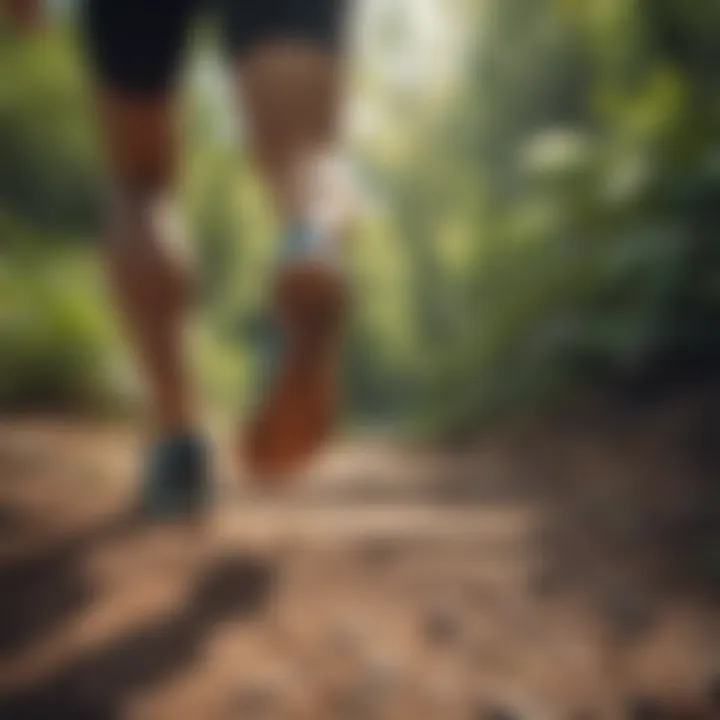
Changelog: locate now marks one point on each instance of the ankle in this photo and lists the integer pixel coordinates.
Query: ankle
(172, 425)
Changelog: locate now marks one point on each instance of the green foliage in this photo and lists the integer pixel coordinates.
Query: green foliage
(48, 167)
(599, 252)
(581, 154)
(58, 346)
(57, 340)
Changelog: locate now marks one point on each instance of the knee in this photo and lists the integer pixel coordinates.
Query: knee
(146, 251)
(142, 216)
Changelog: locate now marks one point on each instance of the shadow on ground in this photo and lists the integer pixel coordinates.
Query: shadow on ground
(95, 685)
(42, 589)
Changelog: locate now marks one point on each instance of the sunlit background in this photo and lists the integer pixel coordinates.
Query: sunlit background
(536, 328)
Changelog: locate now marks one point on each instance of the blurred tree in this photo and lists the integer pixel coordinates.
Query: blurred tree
(48, 164)
(585, 140)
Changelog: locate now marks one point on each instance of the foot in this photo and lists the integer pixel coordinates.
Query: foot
(176, 483)
(300, 407)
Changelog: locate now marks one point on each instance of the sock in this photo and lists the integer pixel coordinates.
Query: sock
(303, 242)
(328, 203)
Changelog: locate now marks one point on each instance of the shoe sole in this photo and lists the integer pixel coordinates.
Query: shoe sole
(300, 410)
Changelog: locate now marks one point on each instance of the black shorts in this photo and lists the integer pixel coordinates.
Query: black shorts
(137, 45)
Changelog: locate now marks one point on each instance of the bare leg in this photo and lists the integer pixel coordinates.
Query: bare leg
(291, 92)
(148, 279)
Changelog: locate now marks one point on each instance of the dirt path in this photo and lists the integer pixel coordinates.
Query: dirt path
(490, 584)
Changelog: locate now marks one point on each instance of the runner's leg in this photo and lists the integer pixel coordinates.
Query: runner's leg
(135, 49)
(290, 74)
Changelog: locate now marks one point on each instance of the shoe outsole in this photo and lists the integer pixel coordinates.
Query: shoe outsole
(300, 410)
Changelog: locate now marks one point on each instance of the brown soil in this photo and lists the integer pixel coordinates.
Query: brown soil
(564, 571)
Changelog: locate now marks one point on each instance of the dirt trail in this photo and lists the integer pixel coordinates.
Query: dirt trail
(512, 580)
